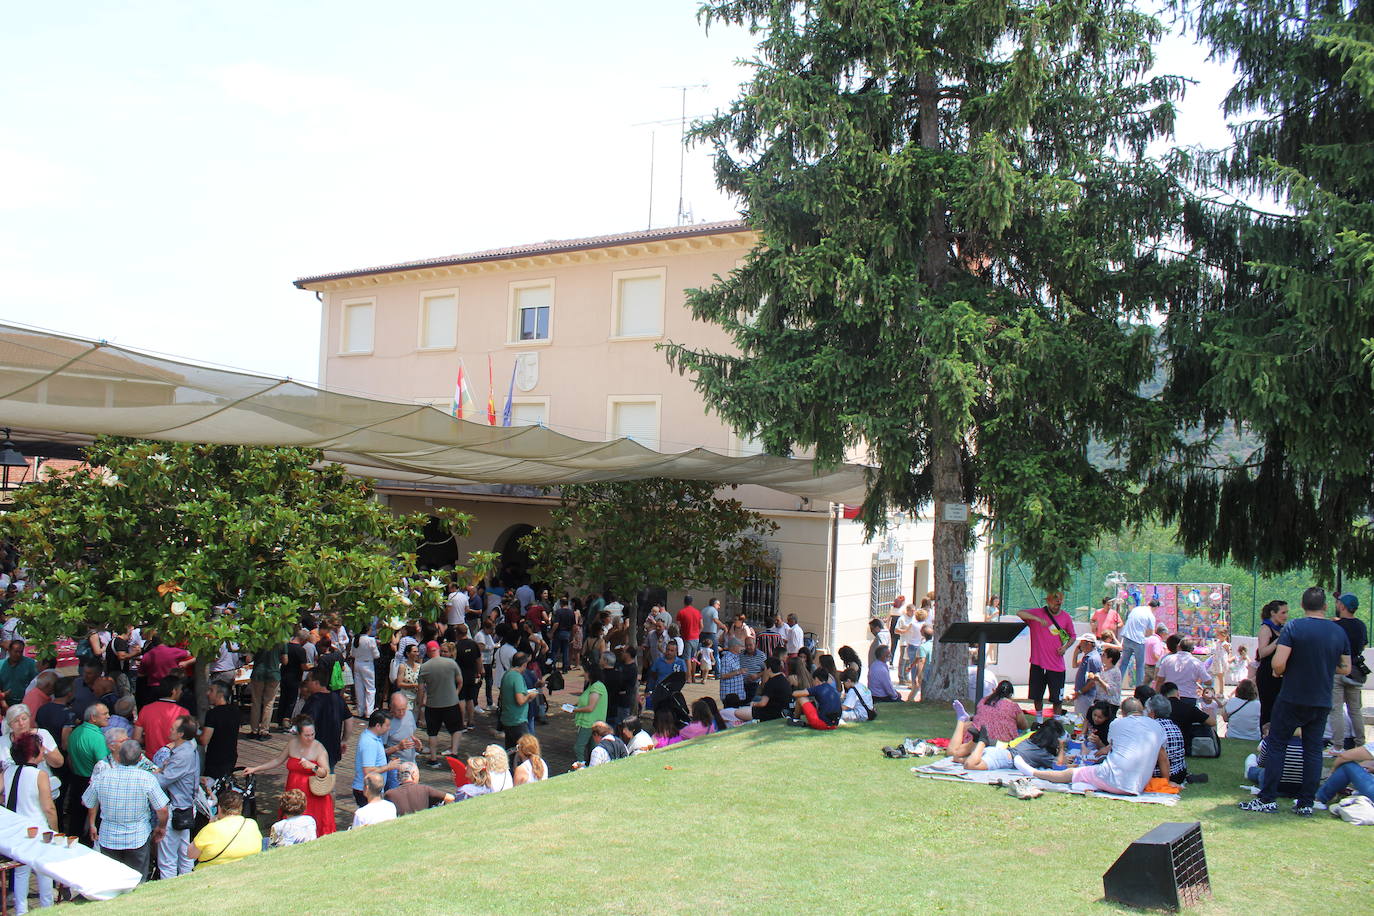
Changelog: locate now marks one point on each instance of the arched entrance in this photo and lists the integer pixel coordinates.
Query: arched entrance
(514, 565)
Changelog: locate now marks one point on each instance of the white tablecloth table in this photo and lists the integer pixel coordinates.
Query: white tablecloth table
(85, 871)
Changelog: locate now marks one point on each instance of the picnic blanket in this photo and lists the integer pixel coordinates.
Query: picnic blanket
(950, 771)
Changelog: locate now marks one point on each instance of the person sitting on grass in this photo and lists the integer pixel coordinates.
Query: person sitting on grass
(1159, 709)
(880, 678)
(229, 837)
(412, 795)
(1137, 747)
(666, 727)
(295, 825)
(1098, 721)
(1045, 748)
(818, 704)
(636, 739)
(1351, 769)
(995, 718)
(858, 702)
(377, 809)
(479, 782)
(706, 720)
(1290, 781)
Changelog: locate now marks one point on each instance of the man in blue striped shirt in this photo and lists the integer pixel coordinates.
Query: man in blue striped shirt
(751, 661)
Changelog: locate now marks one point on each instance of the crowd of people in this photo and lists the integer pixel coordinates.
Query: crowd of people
(123, 755)
(1298, 698)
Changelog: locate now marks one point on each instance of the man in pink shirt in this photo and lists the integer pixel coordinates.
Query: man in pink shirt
(1155, 649)
(1051, 634)
(1185, 670)
(1106, 618)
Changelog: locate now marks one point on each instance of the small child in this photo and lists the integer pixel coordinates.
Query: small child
(1109, 678)
(703, 664)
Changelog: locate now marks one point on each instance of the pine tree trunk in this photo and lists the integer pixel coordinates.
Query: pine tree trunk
(946, 675)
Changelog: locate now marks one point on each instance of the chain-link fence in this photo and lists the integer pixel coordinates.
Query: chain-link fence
(1249, 592)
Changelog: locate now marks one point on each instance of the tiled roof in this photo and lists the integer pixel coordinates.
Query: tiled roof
(549, 247)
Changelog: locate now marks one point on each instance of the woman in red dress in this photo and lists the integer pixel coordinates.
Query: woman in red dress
(305, 757)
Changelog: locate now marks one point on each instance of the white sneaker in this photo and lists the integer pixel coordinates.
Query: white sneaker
(1250, 762)
(1318, 805)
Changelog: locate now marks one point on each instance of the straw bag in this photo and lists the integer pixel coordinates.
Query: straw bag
(322, 785)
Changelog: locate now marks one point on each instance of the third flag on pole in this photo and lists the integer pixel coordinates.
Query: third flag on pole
(491, 393)
(510, 397)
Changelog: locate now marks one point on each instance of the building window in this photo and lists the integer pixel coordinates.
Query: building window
(638, 303)
(531, 309)
(886, 572)
(745, 446)
(357, 326)
(439, 320)
(530, 412)
(758, 596)
(635, 419)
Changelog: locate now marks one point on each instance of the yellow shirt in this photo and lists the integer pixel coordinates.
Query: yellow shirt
(227, 840)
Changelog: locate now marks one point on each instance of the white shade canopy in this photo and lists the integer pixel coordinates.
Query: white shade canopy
(69, 389)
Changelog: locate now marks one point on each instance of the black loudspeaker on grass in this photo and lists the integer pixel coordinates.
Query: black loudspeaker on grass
(1164, 869)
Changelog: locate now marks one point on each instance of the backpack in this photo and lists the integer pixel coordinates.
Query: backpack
(1203, 742)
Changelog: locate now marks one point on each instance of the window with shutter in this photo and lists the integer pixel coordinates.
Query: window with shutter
(357, 327)
(439, 321)
(639, 303)
(637, 420)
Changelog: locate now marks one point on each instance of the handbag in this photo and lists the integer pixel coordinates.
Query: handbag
(183, 818)
(322, 785)
(1205, 745)
(1357, 810)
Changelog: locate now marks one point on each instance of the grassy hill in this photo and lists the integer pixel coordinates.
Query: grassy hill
(771, 819)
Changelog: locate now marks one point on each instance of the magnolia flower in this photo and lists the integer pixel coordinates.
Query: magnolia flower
(110, 480)
(433, 582)
(178, 608)
(160, 458)
(401, 595)
(395, 623)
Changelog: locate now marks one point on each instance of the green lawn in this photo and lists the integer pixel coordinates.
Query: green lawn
(777, 819)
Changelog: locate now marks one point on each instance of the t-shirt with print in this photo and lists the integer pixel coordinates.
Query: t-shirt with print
(1316, 648)
(1047, 642)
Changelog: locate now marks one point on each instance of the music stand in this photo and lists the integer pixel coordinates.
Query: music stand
(980, 633)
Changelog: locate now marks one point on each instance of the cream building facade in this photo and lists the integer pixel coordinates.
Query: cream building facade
(571, 328)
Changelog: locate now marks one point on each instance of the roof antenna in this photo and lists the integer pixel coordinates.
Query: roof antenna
(682, 215)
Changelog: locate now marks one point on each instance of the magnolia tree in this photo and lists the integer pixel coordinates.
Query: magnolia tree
(158, 534)
(629, 535)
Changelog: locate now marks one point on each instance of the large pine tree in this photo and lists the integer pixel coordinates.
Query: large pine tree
(959, 230)
(1283, 343)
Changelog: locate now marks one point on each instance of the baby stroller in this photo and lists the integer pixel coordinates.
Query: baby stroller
(669, 692)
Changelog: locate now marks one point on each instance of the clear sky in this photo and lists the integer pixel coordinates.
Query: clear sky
(168, 168)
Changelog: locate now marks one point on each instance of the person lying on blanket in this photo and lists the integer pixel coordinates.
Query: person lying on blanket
(1135, 749)
(1045, 748)
(995, 714)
